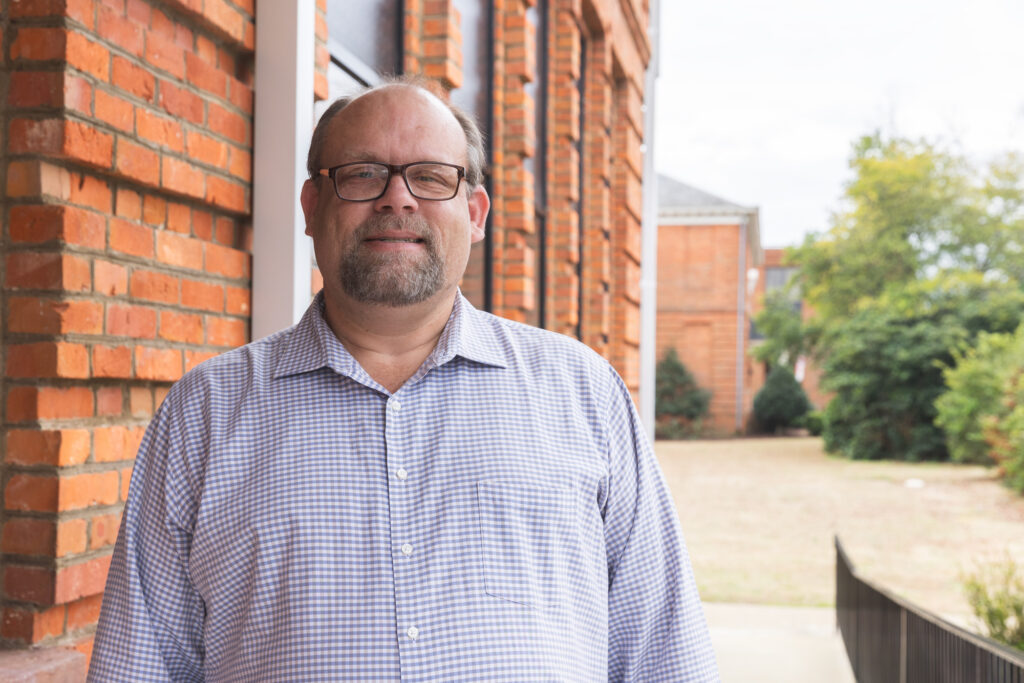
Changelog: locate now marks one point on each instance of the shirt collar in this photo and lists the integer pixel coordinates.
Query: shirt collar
(312, 344)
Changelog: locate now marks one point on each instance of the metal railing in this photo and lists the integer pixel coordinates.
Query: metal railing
(890, 640)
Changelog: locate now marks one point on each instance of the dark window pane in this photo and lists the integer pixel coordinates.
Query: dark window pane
(472, 96)
(369, 30)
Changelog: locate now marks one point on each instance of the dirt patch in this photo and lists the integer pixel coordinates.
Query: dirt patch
(760, 514)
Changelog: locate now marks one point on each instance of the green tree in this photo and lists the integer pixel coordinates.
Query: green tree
(781, 402)
(679, 403)
(884, 363)
(785, 338)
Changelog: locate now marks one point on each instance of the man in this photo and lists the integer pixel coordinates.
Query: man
(399, 487)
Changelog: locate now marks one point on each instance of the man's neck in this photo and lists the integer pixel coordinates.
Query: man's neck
(389, 342)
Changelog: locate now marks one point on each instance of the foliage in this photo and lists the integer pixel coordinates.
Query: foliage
(976, 387)
(996, 596)
(785, 339)
(1005, 432)
(679, 402)
(814, 422)
(781, 402)
(884, 363)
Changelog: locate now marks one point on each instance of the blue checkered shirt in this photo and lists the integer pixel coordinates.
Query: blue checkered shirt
(500, 517)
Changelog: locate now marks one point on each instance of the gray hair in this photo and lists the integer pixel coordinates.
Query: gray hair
(476, 156)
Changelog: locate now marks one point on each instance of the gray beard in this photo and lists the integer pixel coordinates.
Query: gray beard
(392, 279)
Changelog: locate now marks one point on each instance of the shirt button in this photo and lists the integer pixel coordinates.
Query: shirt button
(396, 405)
(402, 474)
(407, 550)
(412, 632)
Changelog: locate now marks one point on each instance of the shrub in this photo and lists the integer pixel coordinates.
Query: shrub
(996, 596)
(814, 422)
(781, 402)
(679, 402)
(1005, 432)
(976, 384)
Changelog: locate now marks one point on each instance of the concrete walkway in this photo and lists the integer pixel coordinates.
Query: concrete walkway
(767, 644)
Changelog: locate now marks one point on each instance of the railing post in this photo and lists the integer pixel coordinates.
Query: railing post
(903, 645)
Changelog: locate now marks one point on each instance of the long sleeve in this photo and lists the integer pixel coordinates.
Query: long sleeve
(150, 627)
(656, 625)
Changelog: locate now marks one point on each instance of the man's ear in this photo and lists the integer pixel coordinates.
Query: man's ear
(479, 205)
(308, 199)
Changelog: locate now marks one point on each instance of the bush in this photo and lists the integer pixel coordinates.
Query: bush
(1005, 432)
(976, 387)
(814, 422)
(781, 402)
(996, 596)
(679, 402)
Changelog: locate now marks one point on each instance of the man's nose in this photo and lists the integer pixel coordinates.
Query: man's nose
(396, 197)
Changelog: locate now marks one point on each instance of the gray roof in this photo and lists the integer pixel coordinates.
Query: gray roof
(673, 194)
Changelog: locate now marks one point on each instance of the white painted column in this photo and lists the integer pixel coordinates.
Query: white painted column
(649, 239)
(283, 119)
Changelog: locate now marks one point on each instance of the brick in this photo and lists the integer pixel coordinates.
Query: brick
(30, 270)
(226, 18)
(129, 238)
(109, 279)
(202, 225)
(226, 194)
(181, 103)
(109, 400)
(29, 584)
(116, 28)
(30, 626)
(28, 536)
(225, 261)
(207, 150)
(71, 537)
(42, 223)
(202, 295)
(112, 361)
(138, 163)
(228, 332)
(90, 191)
(138, 10)
(240, 95)
(204, 75)
(181, 327)
(194, 358)
(161, 130)
(31, 493)
(36, 89)
(240, 164)
(80, 491)
(86, 611)
(39, 44)
(158, 364)
(126, 473)
(48, 359)
(63, 139)
(183, 36)
(238, 301)
(34, 315)
(160, 24)
(229, 124)
(114, 444)
(140, 401)
(154, 210)
(179, 218)
(133, 79)
(129, 204)
(117, 112)
(59, 448)
(153, 286)
(81, 580)
(87, 56)
(163, 54)
(183, 178)
(137, 322)
(178, 250)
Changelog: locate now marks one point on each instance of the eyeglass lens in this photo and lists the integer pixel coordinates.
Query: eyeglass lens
(357, 182)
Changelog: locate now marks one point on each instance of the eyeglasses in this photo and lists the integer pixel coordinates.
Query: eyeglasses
(364, 181)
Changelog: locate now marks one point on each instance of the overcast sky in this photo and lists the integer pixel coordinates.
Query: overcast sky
(758, 102)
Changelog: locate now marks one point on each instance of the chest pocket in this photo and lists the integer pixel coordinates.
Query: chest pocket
(527, 536)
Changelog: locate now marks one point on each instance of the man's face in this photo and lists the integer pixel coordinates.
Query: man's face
(396, 250)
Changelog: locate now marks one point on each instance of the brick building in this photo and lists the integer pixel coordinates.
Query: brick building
(153, 152)
(709, 284)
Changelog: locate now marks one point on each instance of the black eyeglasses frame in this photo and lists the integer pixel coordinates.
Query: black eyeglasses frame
(393, 170)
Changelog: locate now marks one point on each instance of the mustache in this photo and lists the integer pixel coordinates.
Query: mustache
(381, 224)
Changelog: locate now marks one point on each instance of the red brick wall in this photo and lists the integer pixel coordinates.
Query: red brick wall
(127, 167)
(697, 296)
